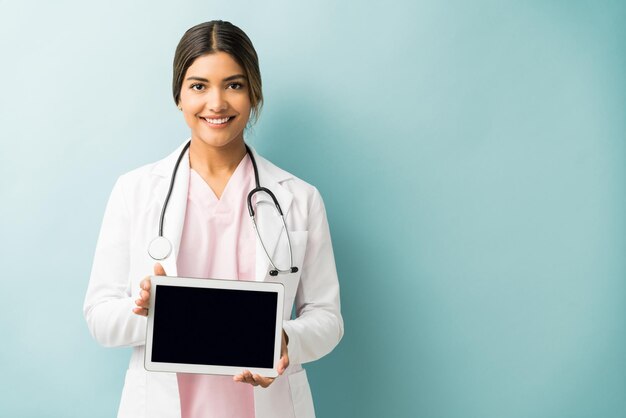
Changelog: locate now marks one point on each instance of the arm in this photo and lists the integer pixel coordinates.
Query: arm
(108, 303)
(318, 326)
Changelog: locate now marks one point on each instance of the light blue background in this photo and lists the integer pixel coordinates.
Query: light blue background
(472, 160)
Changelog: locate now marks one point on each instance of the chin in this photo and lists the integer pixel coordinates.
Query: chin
(217, 142)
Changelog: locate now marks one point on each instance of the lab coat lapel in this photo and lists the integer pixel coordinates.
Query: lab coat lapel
(270, 226)
(174, 220)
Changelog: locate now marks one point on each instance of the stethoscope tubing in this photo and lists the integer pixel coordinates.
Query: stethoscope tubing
(169, 191)
(166, 246)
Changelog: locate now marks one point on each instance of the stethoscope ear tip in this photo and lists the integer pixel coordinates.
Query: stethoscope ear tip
(275, 272)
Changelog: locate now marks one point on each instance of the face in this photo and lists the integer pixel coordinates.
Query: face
(215, 101)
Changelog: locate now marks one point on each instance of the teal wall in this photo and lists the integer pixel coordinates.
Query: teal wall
(472, 160)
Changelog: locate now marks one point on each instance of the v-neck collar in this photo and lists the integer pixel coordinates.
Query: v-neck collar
(270, 176)
(236, 180)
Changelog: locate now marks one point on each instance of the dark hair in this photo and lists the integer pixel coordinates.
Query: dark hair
(214, 36)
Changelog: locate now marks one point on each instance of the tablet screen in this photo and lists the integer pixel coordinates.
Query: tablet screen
(209, 326)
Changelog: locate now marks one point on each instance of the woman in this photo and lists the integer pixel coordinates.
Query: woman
(217, 87)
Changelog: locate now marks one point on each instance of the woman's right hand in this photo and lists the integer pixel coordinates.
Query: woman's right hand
(143, 303)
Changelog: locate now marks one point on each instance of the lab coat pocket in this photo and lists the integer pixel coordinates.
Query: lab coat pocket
(133, 402)
(301, 395)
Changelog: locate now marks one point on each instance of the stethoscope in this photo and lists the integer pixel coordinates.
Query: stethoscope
(160, 247)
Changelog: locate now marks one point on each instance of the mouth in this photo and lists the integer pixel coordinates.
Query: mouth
(217, 122)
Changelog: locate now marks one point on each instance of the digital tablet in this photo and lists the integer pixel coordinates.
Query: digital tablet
(212, 326)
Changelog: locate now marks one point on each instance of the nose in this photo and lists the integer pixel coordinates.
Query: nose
(216, 101)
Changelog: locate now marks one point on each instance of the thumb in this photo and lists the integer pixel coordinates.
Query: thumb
(159, 270)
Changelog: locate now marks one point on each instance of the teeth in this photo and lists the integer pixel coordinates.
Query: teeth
(217, 121)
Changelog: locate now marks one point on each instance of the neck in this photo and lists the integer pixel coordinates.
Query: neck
(216, 161)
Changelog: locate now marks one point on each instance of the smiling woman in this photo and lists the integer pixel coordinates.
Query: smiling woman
(214, 100)
(213, 229)
(219, 36)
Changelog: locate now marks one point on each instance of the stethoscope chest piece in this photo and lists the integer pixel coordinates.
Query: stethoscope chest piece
(160, 248)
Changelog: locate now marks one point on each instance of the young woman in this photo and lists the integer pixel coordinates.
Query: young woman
(207, 232)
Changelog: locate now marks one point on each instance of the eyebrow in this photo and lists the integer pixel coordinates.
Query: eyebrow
(232, 77)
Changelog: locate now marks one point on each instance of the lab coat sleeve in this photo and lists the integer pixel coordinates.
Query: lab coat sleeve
(318, 326)
(108, 302)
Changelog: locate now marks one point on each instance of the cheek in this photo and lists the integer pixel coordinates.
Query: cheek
(190, 112)
(189, 107)
(190, 119)
(245, 107)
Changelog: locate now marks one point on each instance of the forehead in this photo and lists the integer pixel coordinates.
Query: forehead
(214, 66)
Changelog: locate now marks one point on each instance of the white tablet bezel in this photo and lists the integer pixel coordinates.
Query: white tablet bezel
(216, 284)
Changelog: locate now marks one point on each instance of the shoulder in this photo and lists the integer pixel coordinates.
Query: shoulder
(156, 170)
(137, 187)
(291, 182)
(137, 174)
(306, 204)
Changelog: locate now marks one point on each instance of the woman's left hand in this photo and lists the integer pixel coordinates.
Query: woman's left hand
(258, 380)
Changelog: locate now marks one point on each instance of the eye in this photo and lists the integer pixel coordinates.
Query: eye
(235, 86)
(197, 87)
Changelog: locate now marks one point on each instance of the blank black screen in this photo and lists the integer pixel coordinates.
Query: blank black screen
(220, 327)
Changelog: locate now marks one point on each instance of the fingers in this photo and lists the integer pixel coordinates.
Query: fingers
(159, 270)
(140, 311)
(144, 293)
(145, 284)
(245, 377)
(144, 299)
(253, 379)
(143, 303)
(283, 363)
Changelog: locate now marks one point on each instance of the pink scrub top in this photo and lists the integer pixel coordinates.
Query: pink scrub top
(218, 241)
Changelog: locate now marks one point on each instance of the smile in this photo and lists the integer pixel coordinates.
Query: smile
(218, 121)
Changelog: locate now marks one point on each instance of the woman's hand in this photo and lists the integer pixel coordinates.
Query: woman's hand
(143, 303)
(258, 380)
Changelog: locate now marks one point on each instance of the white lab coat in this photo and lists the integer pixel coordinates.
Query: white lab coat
(121, 261)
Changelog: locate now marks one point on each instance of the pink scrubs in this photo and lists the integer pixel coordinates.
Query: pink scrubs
(217, 242)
